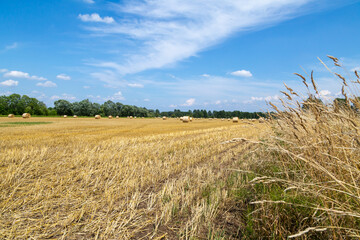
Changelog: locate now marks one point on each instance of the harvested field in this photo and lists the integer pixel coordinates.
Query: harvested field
(115, 179)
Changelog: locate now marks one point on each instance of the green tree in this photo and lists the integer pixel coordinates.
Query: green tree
(13, 103)
(63, 107)
(84, 108)
(4, 105)
(95, 109)
(109, 108)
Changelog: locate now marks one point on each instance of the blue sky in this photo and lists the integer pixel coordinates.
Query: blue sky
(166, 54)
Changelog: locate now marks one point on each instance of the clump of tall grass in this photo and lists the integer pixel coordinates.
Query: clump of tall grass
(307, 181)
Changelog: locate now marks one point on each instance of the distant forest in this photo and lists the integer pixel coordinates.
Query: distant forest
(17, 104)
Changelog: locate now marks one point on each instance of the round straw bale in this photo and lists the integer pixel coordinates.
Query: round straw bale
(190, 118)
(110, 117)
(135, 117)
(11, 116)
(261, 120)
(131, 117)
(117, 117)
(164, 117)
(65, 116)
(97, 116)
(186, 119)
(26, 115)
(75, 116)
(235, 119)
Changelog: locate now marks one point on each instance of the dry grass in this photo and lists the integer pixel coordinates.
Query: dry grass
(126, 179)
(304, 181)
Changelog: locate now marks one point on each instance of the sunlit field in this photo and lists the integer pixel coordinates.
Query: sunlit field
(115, 178)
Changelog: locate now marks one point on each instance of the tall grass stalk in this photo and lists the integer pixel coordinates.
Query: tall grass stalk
(314, 156)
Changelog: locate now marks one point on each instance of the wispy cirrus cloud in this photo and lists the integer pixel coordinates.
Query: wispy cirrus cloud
(89, 1)
(11, 46)
(169, 31)
(135, 85)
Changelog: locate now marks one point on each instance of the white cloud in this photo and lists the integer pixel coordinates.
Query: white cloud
(38, 78)
(189, 102)
(3, 70)
(64, 96)
(98, 97)
(6, 93)
(218, 102)
(63, 77)
(326, 95)
(46, 84)
(257, 99)
(355, 69)
(95, 17)
(205, 75)
(169, 31)
(55, 97)
(173, 106)
(116, 97)
(19, 74)
(112, 79)
(12, 46)
(39, 95)
(242, 73)
(89, 1)
(146, 100)
(272, 98)
(268, 98)
(86, 87)
(9, 83)
(135, 85)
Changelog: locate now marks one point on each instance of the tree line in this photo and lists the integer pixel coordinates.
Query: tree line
(17, 104)
(197, 113)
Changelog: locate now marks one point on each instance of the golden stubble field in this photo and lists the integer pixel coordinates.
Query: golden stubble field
(114, 178)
